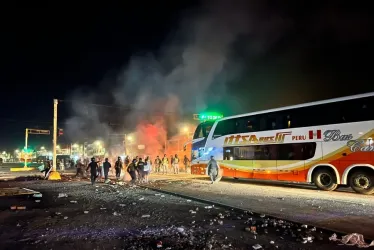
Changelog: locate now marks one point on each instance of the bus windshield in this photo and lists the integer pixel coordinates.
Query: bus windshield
(203, 130)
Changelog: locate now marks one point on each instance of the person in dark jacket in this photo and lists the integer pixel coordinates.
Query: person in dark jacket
(140, 169)
(157, 164)
(118, 167)
(127, 161)
(106, 166)
(212, 169)
(131, 169)
(94, 167)
(47, 167)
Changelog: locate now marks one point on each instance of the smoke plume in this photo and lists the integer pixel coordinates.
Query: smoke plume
(187, 75)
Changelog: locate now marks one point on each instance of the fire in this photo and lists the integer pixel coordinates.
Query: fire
(152, 136)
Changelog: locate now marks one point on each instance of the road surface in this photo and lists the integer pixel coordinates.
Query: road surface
(73, 214)
(341, 210)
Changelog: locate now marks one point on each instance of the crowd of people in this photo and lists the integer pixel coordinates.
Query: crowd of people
(137, 168)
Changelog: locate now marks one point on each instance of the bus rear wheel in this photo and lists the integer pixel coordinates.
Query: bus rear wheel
(362, 182)
(325, 179)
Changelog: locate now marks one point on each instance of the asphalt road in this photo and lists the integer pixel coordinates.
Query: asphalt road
(341, 210)
(73, 214)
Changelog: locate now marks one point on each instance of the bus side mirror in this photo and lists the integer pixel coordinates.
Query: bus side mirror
(184, 147)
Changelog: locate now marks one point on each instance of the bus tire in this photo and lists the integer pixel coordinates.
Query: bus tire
(362, 182)
(325, 179)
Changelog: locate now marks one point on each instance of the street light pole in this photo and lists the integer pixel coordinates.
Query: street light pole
(54, 175)
(26, 138)
(55, 103)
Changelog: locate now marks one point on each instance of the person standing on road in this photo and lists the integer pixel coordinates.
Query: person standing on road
(147, 168)
(186, 163)
(171, 162)
(137, 159)
(127, 161)
(94, 167)
(106, 167)
(176, 164)
(165, 163)
(212, 169)
(118, 167)
(131, 170)
(47, 167)
(100, 169)
(157, 164)
(140, 170)
(79, 166)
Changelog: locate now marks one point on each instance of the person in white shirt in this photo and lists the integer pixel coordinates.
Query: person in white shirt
(147, 169)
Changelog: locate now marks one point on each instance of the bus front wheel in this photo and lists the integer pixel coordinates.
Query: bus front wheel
(362, 182)
(325, 179)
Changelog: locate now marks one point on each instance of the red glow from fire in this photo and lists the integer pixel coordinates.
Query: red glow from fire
(153, 136)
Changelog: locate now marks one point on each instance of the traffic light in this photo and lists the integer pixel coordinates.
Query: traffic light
(60, 132)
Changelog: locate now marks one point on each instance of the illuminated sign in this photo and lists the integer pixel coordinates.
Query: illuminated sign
(38, 131)
(249, 139)
(207, 116)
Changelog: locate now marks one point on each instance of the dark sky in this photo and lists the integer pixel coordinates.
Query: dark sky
(323, 51)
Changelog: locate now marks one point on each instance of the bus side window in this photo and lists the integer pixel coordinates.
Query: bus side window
(358, 110)
(274, 121)
(247, 124)
(287, 119)
(262, 123)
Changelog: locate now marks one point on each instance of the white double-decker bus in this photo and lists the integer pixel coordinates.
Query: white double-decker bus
(328, 143)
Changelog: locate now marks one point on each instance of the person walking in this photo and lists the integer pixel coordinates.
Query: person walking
(140, 170)
(100, 169)
(131, 169)
(118, 167)
(93, 167)
(79, 166)
(106, 167)
(212, 169)
(186, 163)
(127, 161)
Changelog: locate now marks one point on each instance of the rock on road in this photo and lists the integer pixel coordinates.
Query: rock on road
(341, 210)
(72, 214)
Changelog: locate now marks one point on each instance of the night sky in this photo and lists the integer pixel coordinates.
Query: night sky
(319, 51)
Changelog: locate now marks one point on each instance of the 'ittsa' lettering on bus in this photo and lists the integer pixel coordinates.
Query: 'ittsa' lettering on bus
(249, 139)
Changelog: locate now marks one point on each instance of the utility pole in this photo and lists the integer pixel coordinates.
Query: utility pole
(26, 138)
(55, 103)
(54, 175)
